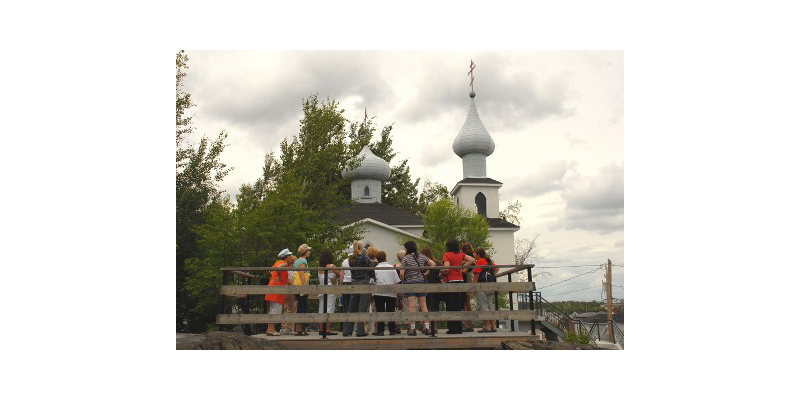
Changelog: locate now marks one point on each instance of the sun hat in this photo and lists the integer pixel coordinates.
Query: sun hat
(284, 253)
(303, 249)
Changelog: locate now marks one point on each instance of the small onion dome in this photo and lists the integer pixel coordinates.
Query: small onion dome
(371, 167)
(473, 137)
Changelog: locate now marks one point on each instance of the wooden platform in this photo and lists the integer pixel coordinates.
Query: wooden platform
(467, 340)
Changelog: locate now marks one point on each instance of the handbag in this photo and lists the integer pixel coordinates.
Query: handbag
(487, 275)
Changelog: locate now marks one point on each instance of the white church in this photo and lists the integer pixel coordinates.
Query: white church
(382, 223)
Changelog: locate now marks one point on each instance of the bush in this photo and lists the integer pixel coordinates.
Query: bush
(577, 338)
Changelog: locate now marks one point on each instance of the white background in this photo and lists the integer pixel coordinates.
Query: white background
(88, 210)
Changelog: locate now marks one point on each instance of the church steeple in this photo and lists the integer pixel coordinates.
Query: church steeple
(367, 178)
(473, 143)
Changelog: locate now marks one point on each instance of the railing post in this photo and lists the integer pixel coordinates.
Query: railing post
(510, 304)
(325, 306)
(496, 307)
(530, 302)
(222, 304)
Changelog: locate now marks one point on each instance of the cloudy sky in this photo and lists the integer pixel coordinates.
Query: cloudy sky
(557, 119)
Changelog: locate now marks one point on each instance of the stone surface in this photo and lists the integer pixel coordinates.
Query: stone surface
(222, 341)
(528, 344)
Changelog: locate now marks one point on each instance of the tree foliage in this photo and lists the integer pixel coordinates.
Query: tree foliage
(198, 171)
(512, 212)
(431, 193)
(445, 220)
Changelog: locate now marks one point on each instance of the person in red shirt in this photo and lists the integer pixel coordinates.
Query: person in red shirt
(483, 297)
(455, 301)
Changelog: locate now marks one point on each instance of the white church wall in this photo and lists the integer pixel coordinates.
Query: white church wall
(503, 242)
(383, 238)
(466, 198)
(414, 231)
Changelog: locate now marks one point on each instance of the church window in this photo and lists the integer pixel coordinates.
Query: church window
(366, 191)
(480, 203)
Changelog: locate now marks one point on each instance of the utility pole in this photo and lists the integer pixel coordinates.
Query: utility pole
(609, 303)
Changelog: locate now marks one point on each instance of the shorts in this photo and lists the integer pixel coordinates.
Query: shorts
(275, 308)
(483, 300)
(415, 294)
(331, 303)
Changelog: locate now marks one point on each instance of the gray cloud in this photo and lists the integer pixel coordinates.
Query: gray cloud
(272, 100)
(549, 177)
(596, 203)
(573, 140)
(505, 100)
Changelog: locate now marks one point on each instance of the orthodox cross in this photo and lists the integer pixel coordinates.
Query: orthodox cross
(471, 74)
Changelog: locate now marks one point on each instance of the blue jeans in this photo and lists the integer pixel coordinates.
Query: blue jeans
(358, 303)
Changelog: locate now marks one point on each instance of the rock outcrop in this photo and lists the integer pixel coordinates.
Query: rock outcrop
(223, 341)
(528, 344)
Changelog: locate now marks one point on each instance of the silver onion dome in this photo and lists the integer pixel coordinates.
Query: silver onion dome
(371, 167)
(473, 137)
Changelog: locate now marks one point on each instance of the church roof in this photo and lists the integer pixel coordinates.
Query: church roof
(371, 167)
(500, 223)
(479, 180)
(380, 212)
(473, 137)
(396, 217)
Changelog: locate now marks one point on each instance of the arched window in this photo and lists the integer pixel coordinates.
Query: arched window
(366, 191)
(480, 203)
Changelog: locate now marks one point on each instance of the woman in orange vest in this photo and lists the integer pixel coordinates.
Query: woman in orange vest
(278, 278)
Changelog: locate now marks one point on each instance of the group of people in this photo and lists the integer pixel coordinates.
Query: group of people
(467, 265)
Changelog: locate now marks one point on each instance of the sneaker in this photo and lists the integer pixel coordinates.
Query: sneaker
(412, 333)
(360, 335)
(378, 334)
(485, 331)
(468, 330)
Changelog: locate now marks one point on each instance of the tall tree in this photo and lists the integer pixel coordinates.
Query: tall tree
(198, 170)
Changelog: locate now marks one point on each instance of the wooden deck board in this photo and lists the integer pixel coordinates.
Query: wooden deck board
(467, 340)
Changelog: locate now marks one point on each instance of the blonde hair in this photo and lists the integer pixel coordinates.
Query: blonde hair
(372, 252)
(400, 255)
(358, 247)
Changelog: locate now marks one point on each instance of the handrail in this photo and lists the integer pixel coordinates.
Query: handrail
(236, 290)
(270, 269)
(397, 316)
(621, 338)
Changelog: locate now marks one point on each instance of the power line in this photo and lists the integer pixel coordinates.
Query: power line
(553, 284)
(621, 287)
(571, 266)
(617, 265)
(573, 291)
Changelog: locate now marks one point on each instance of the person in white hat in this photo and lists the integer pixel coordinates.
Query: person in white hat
(278, 278)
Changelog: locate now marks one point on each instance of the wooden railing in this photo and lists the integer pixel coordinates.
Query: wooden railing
(227, 290)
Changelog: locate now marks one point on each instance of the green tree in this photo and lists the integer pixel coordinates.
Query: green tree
(445, 220)
(293, 202)
(431, 193)
(198, 170)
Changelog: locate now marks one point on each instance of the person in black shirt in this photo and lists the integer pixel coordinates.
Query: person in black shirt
(358, 302)
(466, 248)
(433, 276)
